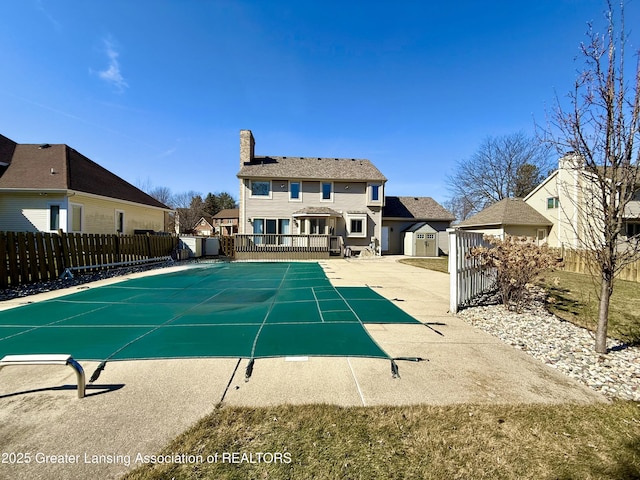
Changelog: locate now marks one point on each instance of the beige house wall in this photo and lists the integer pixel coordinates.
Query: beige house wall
(100, 215)
(348, 197)
(538, 201)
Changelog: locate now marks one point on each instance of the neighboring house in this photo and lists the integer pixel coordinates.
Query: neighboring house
(510, 216)
(204, 226)
(402, 215)
(226, 222)
(53, 187)
(341, 197)
(223, 223)
(566, 199)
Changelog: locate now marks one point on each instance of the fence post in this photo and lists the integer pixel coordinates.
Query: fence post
(453, 271)
(4, 274)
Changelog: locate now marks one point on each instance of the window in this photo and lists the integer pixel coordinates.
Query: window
(327, 191)
(357, 225)
(633, 229)
(76, 217)
(552, 202)
(54, 217)
(258, 225)
(283, 226)
(261, 188)
(295, 191)
(375, 193)
(120, 221)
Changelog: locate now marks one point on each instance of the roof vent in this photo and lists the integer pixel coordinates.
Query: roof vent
(44, 145)
(53, 172)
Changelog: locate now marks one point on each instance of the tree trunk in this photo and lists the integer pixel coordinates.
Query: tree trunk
(603, 315)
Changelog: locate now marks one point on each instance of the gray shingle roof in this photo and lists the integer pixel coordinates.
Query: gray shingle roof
(317, 211)
(59, 167)
(508, 211)
(228, 213)
(311, 168)
(419, 208)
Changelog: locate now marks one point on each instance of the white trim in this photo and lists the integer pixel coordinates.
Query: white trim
(60, 216)
(541, 185)
(370, 200)
(330, 199)
(299, 199)
(70, 217)
(124, 220)
(357, 216)
(269, 196)
(71, 193)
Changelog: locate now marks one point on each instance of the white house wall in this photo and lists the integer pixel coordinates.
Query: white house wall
(29, 212)
(23, 212)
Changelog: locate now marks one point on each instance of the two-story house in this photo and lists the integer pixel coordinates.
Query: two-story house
(225, 222)
(338, 197)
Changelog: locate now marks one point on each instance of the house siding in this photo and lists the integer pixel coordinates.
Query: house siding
(348, 197)
(29, 212)
(100, 215)
(538, 201)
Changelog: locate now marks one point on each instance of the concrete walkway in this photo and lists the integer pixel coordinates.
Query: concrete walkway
(137, 407)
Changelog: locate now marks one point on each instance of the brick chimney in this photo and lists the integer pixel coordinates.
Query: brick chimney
(247, 147)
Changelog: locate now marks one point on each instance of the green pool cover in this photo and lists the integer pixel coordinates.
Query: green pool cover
(240, 310)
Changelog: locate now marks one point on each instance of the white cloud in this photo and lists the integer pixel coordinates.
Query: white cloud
(112, 74)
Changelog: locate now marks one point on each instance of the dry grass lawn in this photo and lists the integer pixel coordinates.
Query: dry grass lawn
(576, 297)
(422, 442)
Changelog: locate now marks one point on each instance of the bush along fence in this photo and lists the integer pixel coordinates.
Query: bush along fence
(467, 277)
(27, 257)
(578, 261)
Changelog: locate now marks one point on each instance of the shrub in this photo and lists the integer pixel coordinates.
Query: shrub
(517, 262)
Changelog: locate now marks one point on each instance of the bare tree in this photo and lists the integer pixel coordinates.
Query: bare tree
(600, 128)
(502, 167)
(162, 194)
(188, 206)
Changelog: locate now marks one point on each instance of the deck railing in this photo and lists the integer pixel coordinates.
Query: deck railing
(272, 246)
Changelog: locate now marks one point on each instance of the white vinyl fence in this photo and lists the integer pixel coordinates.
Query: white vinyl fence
(467, 279)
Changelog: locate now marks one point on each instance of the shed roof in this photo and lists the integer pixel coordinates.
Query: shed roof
(419, 208)
(60, 167)
(307, 168)
(420, 226)
(508, 211)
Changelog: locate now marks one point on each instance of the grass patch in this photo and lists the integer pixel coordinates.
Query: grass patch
(420, 442)
(575, 299)
(439, 264)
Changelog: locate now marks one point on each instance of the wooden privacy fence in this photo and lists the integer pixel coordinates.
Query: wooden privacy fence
(467, 278)
(578, 261)
(34, 257)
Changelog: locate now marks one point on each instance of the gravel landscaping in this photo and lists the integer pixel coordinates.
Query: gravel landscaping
(562, 345)
(80, 279)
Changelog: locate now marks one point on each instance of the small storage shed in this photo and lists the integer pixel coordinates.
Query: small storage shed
(421, 240)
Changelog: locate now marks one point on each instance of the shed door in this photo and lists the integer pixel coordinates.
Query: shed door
(426, 245)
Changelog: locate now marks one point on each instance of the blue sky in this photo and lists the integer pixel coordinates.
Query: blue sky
(157, 90)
